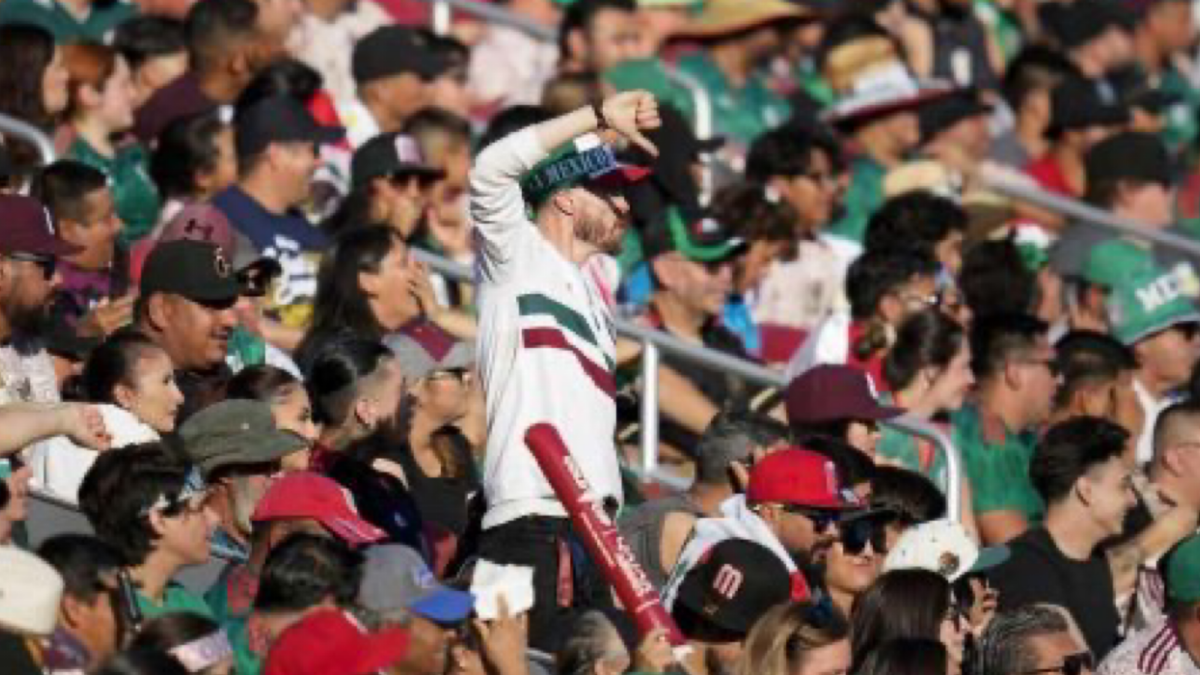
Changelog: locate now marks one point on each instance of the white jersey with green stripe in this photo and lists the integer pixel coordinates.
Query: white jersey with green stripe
(546, 348)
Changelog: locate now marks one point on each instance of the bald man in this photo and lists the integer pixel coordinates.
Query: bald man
(1168, 492)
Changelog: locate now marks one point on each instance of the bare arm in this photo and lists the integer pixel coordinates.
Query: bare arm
(997, 527)
(682, 401)
(1155, 540)
(25, 423)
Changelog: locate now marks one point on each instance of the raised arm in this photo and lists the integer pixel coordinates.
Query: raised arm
(25, 423)
(496, 205)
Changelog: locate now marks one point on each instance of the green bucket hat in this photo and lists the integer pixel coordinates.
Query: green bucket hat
(1149, 302)
(1181, 569)
(573, 165)
(1111, 263)
(702, 240)
(236, 432)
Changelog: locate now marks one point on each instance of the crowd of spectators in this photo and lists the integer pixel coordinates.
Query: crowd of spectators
(253, 422)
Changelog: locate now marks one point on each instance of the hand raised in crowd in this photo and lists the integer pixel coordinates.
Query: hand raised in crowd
(107, 316)
(85, 425)
(653, 653)
(504, 640)
(630, 113)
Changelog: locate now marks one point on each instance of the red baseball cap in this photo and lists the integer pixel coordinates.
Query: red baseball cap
(827, 392)
(305, 494)
(802, 477)
(331, 642)
(28, 228)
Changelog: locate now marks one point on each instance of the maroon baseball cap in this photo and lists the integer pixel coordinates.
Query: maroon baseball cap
(826, 393)
(26, 227)
(331, 642)
(309, 495)
(801, 477)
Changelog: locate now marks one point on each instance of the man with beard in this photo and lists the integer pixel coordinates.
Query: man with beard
(547, 348)
(792, 505)
(29, 251)
(186, 306)
(238, 449)
(357, 388)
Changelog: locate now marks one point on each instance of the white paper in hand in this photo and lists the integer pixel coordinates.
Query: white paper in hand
(490, 581)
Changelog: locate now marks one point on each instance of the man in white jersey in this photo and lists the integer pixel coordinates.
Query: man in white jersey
(546, 346)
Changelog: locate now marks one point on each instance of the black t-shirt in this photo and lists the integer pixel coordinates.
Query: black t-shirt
(1038, 572)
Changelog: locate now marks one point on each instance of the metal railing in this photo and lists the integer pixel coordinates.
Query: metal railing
(11, 126)
(655, 343)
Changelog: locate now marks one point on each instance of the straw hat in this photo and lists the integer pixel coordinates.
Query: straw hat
(725, 17)
(880, 90)
(30, 590)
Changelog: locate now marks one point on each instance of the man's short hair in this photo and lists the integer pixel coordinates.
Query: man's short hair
(912, 496)
(82, 560)
(63, 185)
(915, 220)
(121, 487)
(787, 152)
(1176, 423)
(338, 372)
(146, 37)
(305, 570)
(1088, 359)
(435, 128)
(212, 27)
(1004, 649)
(995, 280)
(731, 437)
(999, 337)
(877, 273)
(1069, 450)
(579, 16)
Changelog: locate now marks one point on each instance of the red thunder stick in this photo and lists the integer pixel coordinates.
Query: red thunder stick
(599, 534)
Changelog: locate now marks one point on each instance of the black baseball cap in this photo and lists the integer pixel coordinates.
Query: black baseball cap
(279, 119)
(198, 270)
(699, 239)
(390, 154)
(1076, 103)
(734, 584)
(1129, 155)
(943, 113)
(394, 50)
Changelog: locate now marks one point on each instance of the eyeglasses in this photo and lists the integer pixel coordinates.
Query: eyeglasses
(857, 533)
(1073, 664)
(918, 299)
(48, 263)
(821, 519)
(821, 177)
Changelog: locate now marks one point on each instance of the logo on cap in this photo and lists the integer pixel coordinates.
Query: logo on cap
(49, 221)
(221, 263)
(423, 578)
(406, 150)
(948, 564)
(728, 581)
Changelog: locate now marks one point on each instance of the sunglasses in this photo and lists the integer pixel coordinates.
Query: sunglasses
(1073, 664)
(47, 263)
(460, 374)
(856, 534)
(821, 519)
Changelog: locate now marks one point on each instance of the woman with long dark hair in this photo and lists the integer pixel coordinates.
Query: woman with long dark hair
(33, 87)
(367, 285)
(908, 603)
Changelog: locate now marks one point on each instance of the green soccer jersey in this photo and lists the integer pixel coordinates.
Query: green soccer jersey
(134, 193)
(739, 114)
(997, 463)
(863, 198)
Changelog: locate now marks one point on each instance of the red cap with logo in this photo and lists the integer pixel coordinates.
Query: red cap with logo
(305, 494)
(331, 642)
(801, 477)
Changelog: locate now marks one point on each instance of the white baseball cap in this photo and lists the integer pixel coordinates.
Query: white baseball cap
(30, 590)
(945, 547)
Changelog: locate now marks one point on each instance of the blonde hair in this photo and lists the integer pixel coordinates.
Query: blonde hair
(780, 640)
